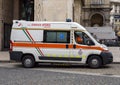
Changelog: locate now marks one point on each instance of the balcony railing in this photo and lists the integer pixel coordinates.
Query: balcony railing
(96, 2)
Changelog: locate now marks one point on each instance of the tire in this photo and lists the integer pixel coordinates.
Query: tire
(94, 62)
(28, 61)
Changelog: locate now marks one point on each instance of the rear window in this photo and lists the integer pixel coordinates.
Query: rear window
(57, 36)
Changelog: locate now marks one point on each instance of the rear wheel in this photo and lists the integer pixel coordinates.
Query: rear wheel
(28, 61)
(94, 62)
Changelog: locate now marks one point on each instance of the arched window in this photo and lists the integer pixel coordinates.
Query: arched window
(97, 20)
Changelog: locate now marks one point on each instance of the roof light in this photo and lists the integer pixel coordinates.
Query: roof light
(68, 20)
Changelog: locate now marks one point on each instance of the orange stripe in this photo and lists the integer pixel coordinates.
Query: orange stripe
(90, 47)
(54, 45)
(40, 45)
(70, 46)
(46, 45)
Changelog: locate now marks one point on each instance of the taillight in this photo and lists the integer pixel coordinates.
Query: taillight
(11, 46)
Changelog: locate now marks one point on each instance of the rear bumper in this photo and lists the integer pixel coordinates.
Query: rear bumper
(107, 57)
(16, 55)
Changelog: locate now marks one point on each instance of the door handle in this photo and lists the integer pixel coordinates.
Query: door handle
(74, 46)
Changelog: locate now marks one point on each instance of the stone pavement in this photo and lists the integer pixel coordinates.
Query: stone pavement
(116, 54)
(4, 55)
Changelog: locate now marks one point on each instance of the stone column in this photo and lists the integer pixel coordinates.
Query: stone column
(70, 9)
(113, 8)
(1, 23)
(77, 11)
(38, 10)
(1, 34)
(16, 10)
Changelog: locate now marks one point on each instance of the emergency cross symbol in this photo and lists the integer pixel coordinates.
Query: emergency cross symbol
(80, 52)
(61, 36)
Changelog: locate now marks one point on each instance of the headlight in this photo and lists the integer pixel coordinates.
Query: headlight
(104, 47)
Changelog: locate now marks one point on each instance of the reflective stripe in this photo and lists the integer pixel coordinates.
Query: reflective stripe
(60, 58)
(53, 45)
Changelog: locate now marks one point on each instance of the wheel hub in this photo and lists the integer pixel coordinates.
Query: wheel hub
(94, 62)
(28, 61)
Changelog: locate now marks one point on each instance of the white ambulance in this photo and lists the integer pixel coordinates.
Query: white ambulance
(55, 42)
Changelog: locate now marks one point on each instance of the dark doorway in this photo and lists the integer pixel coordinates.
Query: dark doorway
(27, 10)
(7, 32)
(97, 20)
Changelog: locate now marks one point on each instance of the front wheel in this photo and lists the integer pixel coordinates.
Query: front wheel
(94, 62)
(28, 61)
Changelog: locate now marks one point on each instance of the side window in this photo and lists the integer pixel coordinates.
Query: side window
(82, 38)
(78, 37)
(57, 36)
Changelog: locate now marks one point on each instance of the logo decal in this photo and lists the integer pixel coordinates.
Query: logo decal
(19, 24)
(80, 52)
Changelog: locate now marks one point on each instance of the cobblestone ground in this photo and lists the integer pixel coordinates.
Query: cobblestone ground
(111, 69)
(21, 76)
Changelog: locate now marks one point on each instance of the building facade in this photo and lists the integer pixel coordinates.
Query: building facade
(54, 10)
(96, 13)
(115, 16)
(96, 19)
(38, 10)
(6, 16)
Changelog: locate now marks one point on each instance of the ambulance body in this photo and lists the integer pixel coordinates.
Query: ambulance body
(55, 42)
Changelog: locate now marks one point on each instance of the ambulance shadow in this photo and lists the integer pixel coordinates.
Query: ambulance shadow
(61, 66)
(69, 66)
(64, 66)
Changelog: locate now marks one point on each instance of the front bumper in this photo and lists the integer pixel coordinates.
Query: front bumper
(107, 57)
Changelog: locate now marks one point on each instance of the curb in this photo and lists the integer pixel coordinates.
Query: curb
(7, 61)
(2, 61)
(116, 63)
